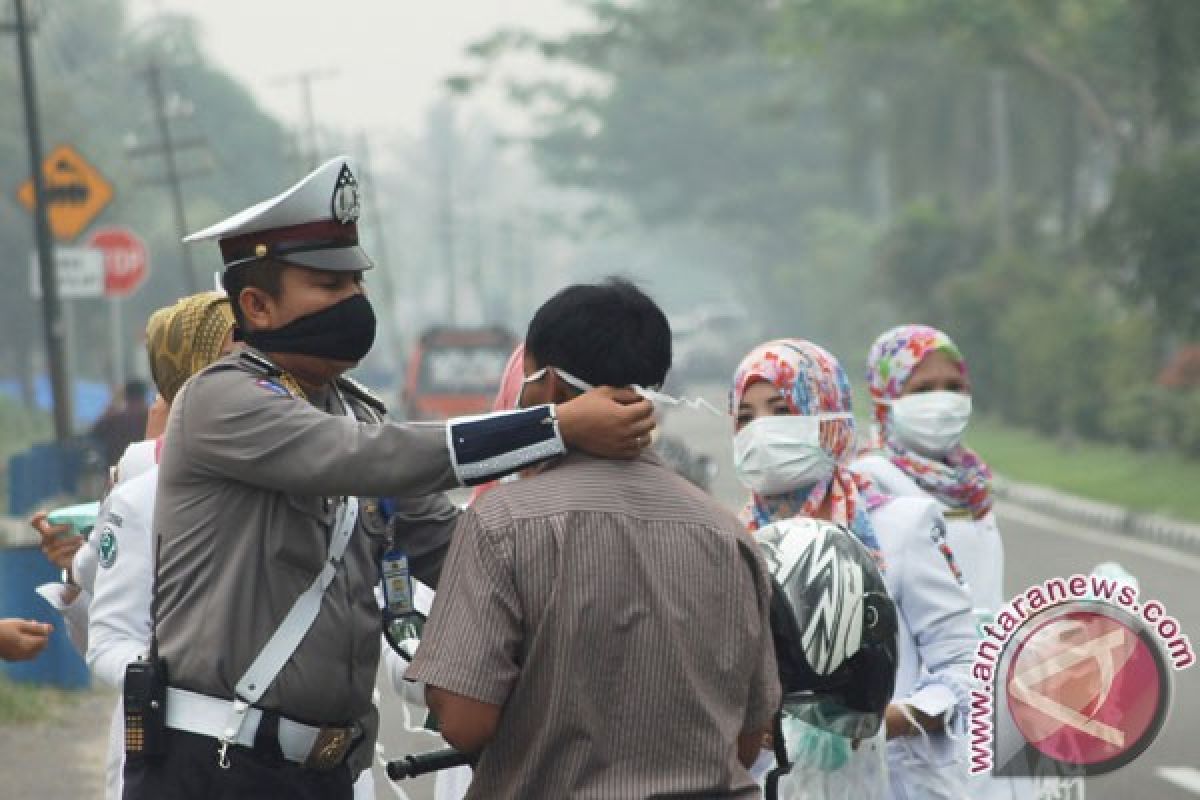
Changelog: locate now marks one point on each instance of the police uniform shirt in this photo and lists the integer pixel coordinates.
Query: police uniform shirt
(250, 478)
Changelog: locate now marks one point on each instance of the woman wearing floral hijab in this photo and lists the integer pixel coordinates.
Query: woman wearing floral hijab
(922, 394)
(795, 437)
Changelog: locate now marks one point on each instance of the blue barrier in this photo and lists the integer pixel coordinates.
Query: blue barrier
(23, 569)
(44, 470)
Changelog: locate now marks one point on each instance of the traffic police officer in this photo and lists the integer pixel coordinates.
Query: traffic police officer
(269, 528)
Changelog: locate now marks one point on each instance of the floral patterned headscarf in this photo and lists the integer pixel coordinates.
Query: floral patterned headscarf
(812, 382)
(960, 479)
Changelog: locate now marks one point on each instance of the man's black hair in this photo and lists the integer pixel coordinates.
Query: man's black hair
(608, 334)
(263, 274)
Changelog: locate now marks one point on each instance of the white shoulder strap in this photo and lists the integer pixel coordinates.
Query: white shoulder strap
(287, 637)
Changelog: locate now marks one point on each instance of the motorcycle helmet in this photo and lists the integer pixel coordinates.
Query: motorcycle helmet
(833, 624)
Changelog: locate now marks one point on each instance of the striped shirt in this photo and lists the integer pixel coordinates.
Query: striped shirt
(620, 617)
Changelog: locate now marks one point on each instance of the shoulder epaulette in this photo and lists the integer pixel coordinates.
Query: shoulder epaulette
(259, 364)
(362, 393)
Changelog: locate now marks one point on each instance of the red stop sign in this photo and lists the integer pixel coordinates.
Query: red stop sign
(125, 261)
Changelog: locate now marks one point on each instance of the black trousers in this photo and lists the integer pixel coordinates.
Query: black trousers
(189, 771)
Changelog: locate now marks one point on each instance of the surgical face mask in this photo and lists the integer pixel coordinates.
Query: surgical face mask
(774, 455)
(931, 423)
(662, 402)
(568, 378)
(344, 331)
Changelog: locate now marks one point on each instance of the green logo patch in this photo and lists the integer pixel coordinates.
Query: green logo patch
(108, 547)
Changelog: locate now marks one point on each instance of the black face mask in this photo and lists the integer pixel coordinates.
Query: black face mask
(343, 332)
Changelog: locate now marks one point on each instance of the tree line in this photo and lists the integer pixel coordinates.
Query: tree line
(1024, 174)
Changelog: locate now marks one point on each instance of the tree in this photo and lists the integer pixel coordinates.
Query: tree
(1148, 239)
(93, 94)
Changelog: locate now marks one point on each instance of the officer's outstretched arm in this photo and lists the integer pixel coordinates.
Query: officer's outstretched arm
(238, 425)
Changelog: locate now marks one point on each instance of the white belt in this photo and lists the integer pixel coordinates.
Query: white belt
(206, 716)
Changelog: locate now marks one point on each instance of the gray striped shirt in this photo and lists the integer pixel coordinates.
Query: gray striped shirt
(620, 617)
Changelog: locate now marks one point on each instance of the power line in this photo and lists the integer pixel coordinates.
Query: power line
(305, 80)
(169, 147)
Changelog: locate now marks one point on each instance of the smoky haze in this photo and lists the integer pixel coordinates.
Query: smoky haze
(765, 168)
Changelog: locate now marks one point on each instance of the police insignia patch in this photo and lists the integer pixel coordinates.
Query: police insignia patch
(273, 387)
(345, 197)
(108, 547)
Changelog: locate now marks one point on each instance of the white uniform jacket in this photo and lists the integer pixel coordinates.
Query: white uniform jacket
(936, 642)
(976, 542)
(138, 458)
(979, 551)
(119, 624)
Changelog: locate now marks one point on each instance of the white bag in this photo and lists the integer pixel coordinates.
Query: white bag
(826, 766)
(924, 771)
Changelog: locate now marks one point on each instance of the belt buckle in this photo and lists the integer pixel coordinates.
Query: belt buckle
(330, 747)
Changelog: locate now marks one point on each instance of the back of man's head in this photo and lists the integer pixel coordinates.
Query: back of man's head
(608, 334)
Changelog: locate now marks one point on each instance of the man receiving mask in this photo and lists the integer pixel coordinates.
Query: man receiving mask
(270, 527)
(603, 627)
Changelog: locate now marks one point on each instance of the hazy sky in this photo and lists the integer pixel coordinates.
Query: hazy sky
(388, 57)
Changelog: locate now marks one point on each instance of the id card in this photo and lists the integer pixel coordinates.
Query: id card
(397, 584)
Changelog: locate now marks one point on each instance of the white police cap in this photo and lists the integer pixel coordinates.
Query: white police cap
(313, 224)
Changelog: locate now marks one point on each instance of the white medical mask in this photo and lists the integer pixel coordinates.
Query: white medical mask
(568, 378)
(778, 454)
(662, 401)
(932, 423)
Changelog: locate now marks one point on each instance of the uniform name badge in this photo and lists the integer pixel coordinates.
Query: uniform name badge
(401, 622)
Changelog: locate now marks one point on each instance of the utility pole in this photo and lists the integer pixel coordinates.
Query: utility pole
(443, 141)
(305, 80)
(51, 308)
(167, 148)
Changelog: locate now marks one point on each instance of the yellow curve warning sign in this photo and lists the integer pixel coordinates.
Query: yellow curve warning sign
(76, 192)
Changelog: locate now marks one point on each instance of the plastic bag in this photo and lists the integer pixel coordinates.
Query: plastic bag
(924, 772)
(826, 766)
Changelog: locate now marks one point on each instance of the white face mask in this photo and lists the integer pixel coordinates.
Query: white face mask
(932, 423)
(774, 455)
(567, 378)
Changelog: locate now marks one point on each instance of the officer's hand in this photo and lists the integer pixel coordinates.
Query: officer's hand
(607, 422)
(57, 545)
(22, 639)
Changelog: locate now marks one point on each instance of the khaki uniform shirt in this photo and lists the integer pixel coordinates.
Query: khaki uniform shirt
(248, 486)
(620, 617)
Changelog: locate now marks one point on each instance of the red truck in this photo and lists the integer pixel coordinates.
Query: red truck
(455, 371)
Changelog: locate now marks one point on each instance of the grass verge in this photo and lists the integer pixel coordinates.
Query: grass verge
(23, 702)
(1160, 482)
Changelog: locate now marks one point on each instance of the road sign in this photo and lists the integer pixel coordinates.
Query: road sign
(80, 272)
(125, 261)
(75, 192)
